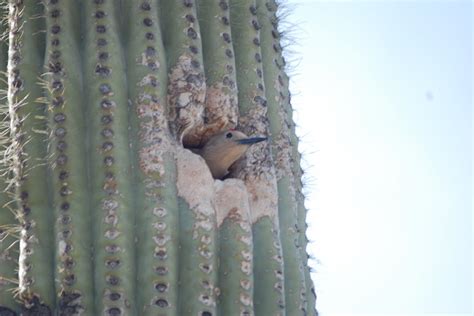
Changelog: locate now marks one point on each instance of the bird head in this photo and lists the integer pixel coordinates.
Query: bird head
(223, 149)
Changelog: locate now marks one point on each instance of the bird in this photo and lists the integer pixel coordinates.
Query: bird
(225, 148)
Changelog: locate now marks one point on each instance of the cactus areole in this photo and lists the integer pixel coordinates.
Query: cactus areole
(103, 209)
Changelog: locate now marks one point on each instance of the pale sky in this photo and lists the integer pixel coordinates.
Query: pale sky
(383, 93)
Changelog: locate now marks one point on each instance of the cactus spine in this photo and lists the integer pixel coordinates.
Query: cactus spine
(102, 210)
(9, 230)
(28, 150)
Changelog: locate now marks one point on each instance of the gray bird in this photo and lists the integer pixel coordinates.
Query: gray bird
(223, 149)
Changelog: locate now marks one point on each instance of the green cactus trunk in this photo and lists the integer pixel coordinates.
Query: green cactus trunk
(103, 210)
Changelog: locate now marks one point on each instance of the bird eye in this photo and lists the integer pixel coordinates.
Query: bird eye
(228, 135)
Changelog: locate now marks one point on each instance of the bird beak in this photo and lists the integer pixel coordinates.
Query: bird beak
(251, 140)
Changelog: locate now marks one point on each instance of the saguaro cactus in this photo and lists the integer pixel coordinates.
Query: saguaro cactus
(103, 209)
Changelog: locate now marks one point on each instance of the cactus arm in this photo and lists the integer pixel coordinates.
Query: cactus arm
(27, 127)
(290, 219)
(112, 205)
(257, 169)
(154, 163)
(186, 85)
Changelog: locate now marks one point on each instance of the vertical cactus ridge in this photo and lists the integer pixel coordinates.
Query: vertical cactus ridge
(285, 95)
(9, 229)
(257, 169)
(4, 33)
(282, 149)
(180, 30)
(28, 130)
(301, 209)
(110, 161)
(295, 290)
(309, 285)
(198, 269)
(235, 279)
(9, 234)
(218, 53)
(221, 108)
(269, 298)
(154, 163)
(248, 58)
(300, 198)
(186, 83)
(67, 155)
(252, 103)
